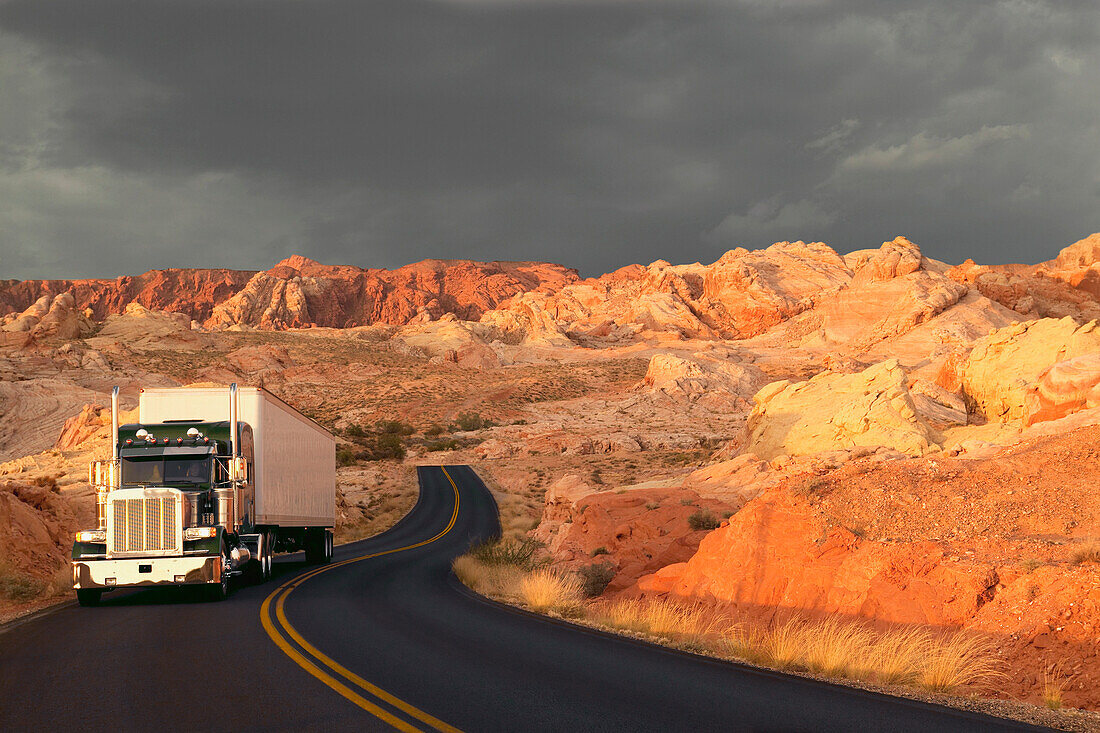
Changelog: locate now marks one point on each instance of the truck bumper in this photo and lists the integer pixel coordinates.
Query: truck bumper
(143, 571)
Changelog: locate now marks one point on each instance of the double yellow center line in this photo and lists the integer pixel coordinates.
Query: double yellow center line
(312, 660)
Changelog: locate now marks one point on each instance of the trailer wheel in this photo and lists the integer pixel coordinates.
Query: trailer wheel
(268, 560)
(329, 549)
(88, 596)
(317, 546)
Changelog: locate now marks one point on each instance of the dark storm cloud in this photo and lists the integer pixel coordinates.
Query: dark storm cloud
(593, 133)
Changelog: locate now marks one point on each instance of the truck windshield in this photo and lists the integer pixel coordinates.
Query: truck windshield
(159, 470)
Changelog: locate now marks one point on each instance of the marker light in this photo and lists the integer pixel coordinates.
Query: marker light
(129, 441)
(200, 533)
(165, 441)
(92, 535)
(179, 441)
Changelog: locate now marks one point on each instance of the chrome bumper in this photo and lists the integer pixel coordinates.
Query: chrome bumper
(129, 573)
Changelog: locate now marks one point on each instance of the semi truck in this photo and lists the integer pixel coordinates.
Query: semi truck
(205, 488)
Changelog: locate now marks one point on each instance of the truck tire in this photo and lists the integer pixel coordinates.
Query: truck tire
(318, 546)
(88, 596)
(269, 555)
(220, 591)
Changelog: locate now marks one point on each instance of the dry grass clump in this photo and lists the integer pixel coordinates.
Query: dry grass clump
(1088, 552)
(1054, 684)
(957, 659)
(547, 590)
(500, 581)
(836, 648)
(662, 617)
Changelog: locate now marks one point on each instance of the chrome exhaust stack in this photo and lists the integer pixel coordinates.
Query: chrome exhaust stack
(234, 448)
(114, 424)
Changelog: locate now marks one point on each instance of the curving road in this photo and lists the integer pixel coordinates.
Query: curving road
(387, 638)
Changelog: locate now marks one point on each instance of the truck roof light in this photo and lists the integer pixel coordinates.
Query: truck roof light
(142, 433)
(206, 440)
(179, 441)
(193, 432)
(165, 441)
(129, 441)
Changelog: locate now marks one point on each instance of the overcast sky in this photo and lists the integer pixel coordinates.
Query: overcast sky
(138, 134)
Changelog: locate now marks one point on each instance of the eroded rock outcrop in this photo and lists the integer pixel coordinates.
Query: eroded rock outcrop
(835, 411)
(1004, 368)
(702, 379)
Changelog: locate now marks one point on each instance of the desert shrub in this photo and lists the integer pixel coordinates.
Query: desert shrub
(387, 445)
(440, 445)
(547, 590)
(345, 456)
(520, 553)
(651, 505)
(595, 577)
(1088, 552)
(49, 482)
(395, 427)
(703, 519)
(601, 550)
(17, 586)
(434, 430)
(354, 431)
(468, 421)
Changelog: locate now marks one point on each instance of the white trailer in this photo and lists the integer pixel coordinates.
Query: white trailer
(207, 485)
(294, 464)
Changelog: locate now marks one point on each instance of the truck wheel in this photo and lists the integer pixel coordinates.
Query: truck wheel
(329, 549)
(220, 591)
(88, 596)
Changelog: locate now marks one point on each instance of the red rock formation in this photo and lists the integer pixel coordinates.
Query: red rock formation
(194, 292)
(300, 292)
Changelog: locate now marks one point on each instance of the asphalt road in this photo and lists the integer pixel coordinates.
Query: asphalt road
(386, 638)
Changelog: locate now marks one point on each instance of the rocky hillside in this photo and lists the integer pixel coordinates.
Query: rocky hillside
(299, 292)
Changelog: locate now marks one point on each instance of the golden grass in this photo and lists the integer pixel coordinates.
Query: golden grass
(852, 650)
(957, 659)
(837, 649)
(547, 590)
(896, 655)
(661, 617)
(1053, 687)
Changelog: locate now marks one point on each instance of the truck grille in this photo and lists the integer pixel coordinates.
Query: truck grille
(148, 524)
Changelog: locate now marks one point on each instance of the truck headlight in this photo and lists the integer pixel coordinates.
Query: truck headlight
(92, 535)
(200, 533)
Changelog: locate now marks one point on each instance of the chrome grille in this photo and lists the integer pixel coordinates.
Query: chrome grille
(146, 524)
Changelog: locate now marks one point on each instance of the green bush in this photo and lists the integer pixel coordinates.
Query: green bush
(703, 519)
(345, 456)
(468, 421)
(434, 430)
(595, 577)
(382, 447)
(354, 431)
(395, 427)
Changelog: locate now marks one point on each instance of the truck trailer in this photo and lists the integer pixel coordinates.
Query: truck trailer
(207, 486)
